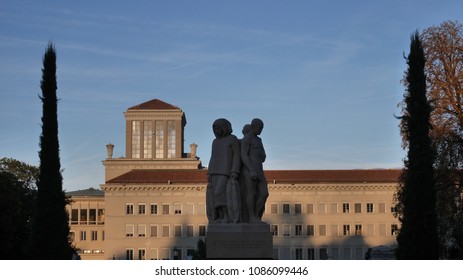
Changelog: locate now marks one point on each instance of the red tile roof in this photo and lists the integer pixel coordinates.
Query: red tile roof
(154, 104)
(279, 176)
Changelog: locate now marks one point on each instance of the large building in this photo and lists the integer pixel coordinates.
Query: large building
(154, 201)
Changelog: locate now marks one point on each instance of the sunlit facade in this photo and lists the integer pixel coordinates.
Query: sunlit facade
(154, 200)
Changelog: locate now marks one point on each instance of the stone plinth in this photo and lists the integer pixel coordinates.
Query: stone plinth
(239, 241)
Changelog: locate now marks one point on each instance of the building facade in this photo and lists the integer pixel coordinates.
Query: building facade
(154, 200)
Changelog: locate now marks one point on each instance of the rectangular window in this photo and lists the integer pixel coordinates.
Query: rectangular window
(298, 230)
(382, 229)
(147, 139)
(141, 254)
(358, 207)
(322, 230)
(347, 255)
(323, 253)
(311, 253)
(177, 231)
(334, 230)
(83, 216)
(129, 230)
(141, 230)
(201, 209)
(345, 208)
(141, 209)
(310, 230)
(334, 208)
(275, 230)
(74, 216)
(189, 208)
(177, 208)
(165, 231)
(153, 209)
(358, 229)
(129, 209)
(101, 216)
(309, 208)
(297, 209)
(159, 139)
(394, 229)
(153, 230)
(83, 235)
(369, 207)
(335, 253)
(382, 207)
(298, 253)
(189, 231)
(166, 209)
(321, 208)
(393, 209)
(286, 208)
(202, 231)
(370, 230)
(129, 254)
(286, 230)
(346, 230)
(273, 208)
(171, 139)
(94, 235)
(136, 139)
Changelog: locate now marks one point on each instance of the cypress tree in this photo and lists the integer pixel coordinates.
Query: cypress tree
(418, 237)
(50, 226)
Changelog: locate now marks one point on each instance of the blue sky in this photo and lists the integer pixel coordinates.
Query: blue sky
(324, 76)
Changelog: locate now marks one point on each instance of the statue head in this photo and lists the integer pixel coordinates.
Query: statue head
(257, 125)
(221, 128)
(246, 129)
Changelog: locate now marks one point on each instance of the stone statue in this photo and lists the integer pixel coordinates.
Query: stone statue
(222, 194)
(252, 177)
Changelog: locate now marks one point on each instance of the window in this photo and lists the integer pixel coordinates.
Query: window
(147, 139)
(382, 229)
(165, 231)
(358, 229)
(309, 208)
(347, 255)
(92, 216)
(285, 208)
(83, 235)
(323, 253)
(189, 231)
(153, 209)
(358, 207)
(298, 210)
(129, 230)
(141, 209)
(129, 254)
(177, 231)
(298, 253)
(189, 208)
(346, 230)
(393, 209)
(298, 230)
(141, 230)
(202, 230)
(201, 209)
(166, 209)
(153, 230)
(310, 230)
(275, 230)
(141, 254)
(74, 216)
(335, 253)
(382, 207)
(129, 209)
(334, 208)
(322, 230)
(321, 208)
(83, 216)
(102, 235)
(177, 208)
(370, 230)
(101, 216)
(136, 139)
(311, 253)
(171, 139)
(334, 230)
(94, 235)
(286, 230)
(274, 208)
(159, 139)
(345, 208)
(394, 229)
(369, 207)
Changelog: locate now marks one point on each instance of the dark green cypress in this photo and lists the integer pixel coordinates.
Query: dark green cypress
(50, 232)
(418, 237)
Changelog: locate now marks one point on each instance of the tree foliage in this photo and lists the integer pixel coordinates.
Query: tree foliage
(50, 228)
(416, 195)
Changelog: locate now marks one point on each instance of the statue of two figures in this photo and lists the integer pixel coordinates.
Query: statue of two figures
(237, 188)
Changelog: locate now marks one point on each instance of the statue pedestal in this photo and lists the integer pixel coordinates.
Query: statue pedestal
(239, 241)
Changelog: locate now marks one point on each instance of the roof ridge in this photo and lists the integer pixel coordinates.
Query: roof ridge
(154, 104)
